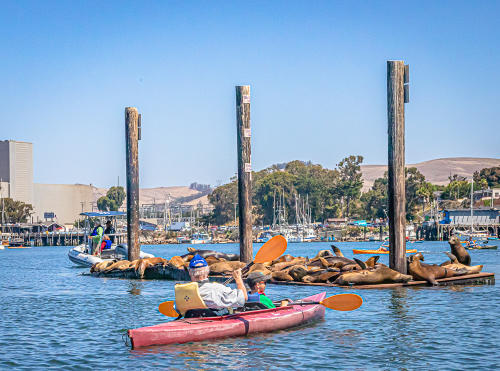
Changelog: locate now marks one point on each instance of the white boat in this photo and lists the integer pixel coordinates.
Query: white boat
(198, 238)
(82, 254)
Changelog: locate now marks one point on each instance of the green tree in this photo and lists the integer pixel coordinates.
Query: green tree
(374, 202)
(491, 175)
(16, 211)
(350, 180)
(113, 200)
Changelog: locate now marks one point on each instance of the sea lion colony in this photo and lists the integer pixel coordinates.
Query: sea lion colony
(325, 267)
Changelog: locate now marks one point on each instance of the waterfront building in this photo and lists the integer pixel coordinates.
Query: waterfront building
(16, 170)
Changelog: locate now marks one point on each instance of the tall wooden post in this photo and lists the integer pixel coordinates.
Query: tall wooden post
(244, 172)
(132, 154)
(396, 98)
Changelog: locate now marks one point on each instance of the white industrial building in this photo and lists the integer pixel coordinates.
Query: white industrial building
(16, 170)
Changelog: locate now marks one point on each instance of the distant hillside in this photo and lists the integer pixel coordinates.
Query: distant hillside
(435, 171)
(160, 194)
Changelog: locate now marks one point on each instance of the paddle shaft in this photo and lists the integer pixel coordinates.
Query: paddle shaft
(243, 271)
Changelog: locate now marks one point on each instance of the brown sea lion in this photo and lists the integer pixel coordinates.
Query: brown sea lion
(283, 259)
(225, 267)
(378, 275)
(297, 272)
(206, 253)
(321, 276)
(176, 262)
(284, 265)
(121, 265)
(456, 265)
(430, 272)
(260, 267)
(281, 276)
(147, 263)
(372, 261)
(459, 251)
(97, 267)
(337, 251)
(323, 253)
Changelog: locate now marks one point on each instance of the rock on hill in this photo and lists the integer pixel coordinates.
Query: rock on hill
(435, 171)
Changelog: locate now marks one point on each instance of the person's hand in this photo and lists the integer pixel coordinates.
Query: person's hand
(237, 274)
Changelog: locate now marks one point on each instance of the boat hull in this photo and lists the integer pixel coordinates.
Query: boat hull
(354, 251)
(241, 324)
(78, 256)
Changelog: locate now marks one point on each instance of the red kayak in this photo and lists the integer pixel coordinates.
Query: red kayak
(240, 324)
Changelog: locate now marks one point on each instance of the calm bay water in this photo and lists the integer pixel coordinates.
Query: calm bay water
(53, 317)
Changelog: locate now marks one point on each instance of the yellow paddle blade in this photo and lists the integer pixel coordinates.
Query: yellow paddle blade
(343, 302)
(167, 308)
(271, 250)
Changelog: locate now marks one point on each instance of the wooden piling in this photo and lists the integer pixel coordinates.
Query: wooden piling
(396, 157)
(244, 172)
(132, 155)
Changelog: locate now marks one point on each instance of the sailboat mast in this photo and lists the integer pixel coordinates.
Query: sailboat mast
(471, 204)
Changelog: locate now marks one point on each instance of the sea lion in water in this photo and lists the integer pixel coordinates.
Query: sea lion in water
(459, 251)
(207, 253)
(430, 272)
(378, 275)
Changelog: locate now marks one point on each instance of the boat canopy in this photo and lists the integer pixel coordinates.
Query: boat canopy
(103, 213)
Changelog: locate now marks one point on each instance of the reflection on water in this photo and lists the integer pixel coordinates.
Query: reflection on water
(78, 321)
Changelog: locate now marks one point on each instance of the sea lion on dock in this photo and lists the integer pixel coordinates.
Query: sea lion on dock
(281, 276)
(144, 264)
(371, 262)
(206, 253)
(456, 265)
(176, 262)
(323, 254)
(260, 267)
(375, 276)
(97, 267)
(337, 251)
(459, 251)
(430, 272)
(225, 267)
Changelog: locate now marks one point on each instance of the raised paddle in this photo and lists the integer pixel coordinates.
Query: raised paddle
(271, 250)
(342, 302)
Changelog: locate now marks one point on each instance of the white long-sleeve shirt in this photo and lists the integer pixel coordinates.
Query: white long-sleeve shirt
(218, 296)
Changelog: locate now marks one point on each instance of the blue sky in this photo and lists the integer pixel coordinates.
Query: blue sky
(317, 71)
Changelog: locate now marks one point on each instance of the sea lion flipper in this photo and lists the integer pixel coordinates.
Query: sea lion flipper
(360, 263)
(337, 251)
(452, 257)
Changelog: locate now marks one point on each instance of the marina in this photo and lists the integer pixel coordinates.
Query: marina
(42, 311)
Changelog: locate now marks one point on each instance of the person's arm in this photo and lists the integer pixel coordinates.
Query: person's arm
(239, 282)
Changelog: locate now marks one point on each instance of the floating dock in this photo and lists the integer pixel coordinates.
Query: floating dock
(168, 273)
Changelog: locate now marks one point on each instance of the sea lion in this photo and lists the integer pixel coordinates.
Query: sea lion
(459, 251)
(430, 272)
(144, 264)
(297, 272)
(205, 253)
(121, 265)
(456, 265)
(284, 259)
(97, 267)
(281, 276)
(337, 251)
(372, 261)
(284, 265)
(176, 262)
(225, 267)
(323, 253)
(378, 275)
(321, 276)
(260, 267)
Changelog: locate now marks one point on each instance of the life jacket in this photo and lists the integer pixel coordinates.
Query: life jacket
(94, 232)
(187, 297)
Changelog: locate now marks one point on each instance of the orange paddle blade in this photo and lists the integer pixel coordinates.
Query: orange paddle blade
(167, 308)
(271, 250)
(343, 302)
